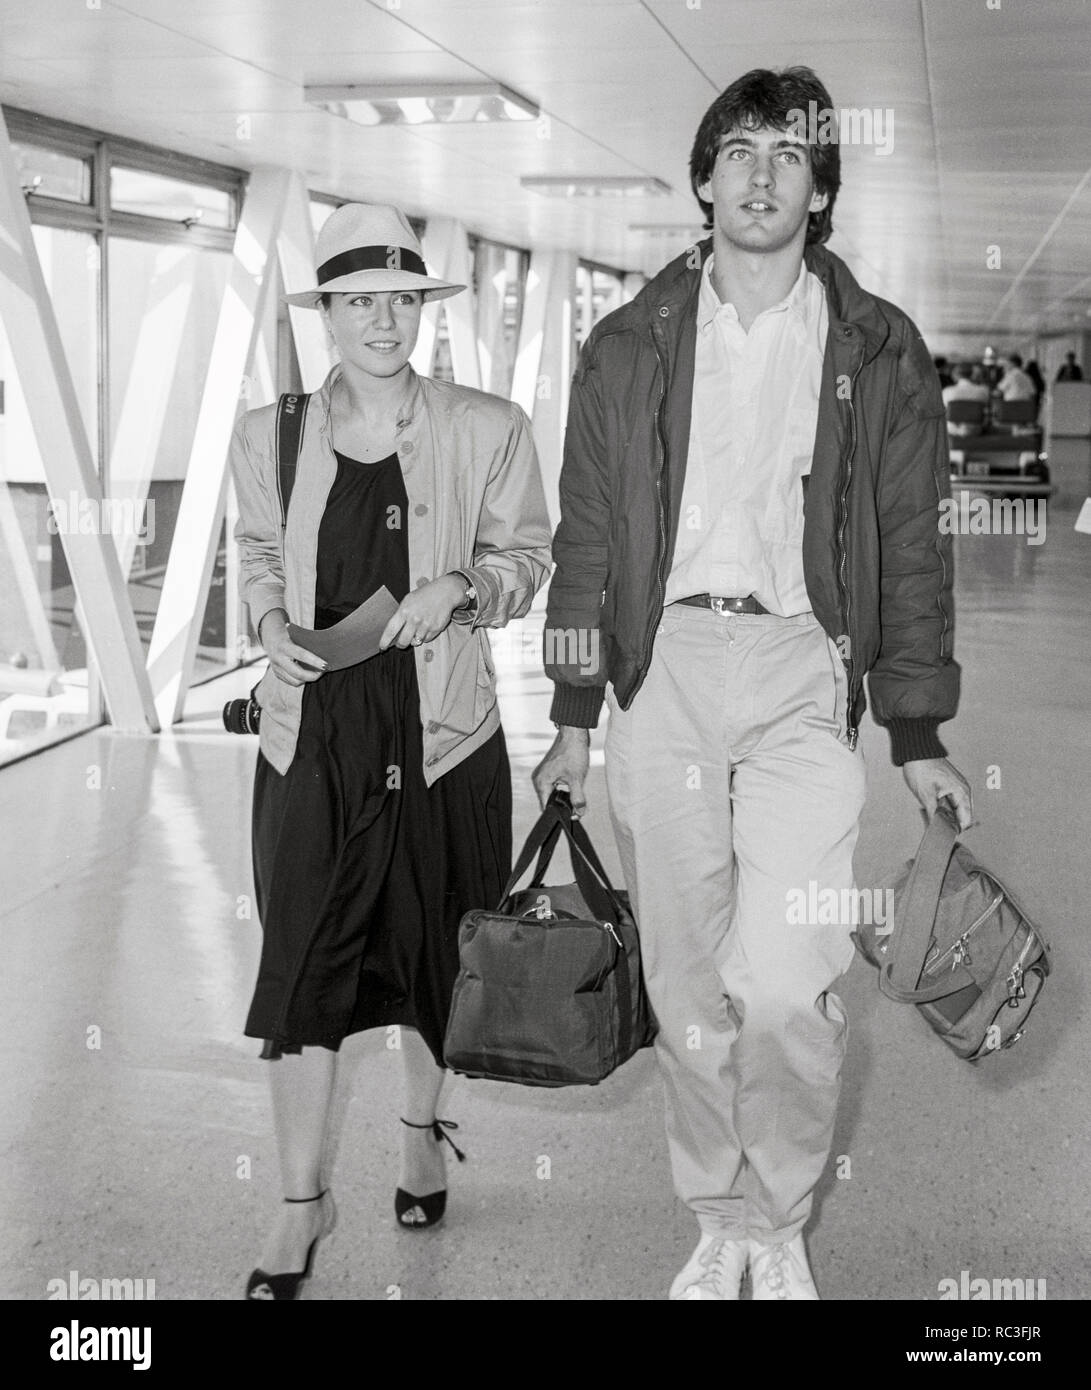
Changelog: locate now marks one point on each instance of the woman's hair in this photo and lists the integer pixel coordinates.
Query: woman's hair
(763, 98)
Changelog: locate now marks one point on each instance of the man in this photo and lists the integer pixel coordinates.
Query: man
(1070, 369)
(732, 640)
(965, 389)
(1015, 385)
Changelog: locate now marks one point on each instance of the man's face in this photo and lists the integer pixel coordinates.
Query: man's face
(762, 190)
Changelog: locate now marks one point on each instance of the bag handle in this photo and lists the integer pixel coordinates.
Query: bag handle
(556, 819)
(915, 917)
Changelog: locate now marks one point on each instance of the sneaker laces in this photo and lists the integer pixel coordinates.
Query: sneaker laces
(775, 1272)
(716, 1260)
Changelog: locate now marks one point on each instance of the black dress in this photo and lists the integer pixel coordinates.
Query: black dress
(362, 871)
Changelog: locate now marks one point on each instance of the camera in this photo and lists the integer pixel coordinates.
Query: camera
(242, 716)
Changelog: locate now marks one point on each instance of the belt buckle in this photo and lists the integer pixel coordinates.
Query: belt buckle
(725, 605)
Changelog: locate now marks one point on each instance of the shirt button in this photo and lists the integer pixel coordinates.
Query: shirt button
(407, 447)
(432, 728)
(421, 583)
(420, 509)
(429, 654)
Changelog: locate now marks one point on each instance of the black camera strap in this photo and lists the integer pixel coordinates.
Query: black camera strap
(291, 410)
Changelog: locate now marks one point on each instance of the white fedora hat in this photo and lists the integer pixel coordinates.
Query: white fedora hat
(369, 246)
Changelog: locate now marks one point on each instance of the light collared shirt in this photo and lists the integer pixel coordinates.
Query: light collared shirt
(752, 433)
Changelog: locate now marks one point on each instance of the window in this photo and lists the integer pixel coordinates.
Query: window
(44, 676)
(48, 173)
(161, 227)
(174, 200)
(598, 292)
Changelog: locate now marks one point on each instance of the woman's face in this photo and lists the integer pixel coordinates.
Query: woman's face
(375, 331)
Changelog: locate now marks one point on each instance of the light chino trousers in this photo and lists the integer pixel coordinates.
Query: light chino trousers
(732, 787)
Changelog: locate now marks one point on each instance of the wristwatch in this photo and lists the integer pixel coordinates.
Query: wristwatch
(471, 595)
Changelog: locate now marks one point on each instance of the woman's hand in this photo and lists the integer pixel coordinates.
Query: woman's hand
(425, 612)
(290, 663)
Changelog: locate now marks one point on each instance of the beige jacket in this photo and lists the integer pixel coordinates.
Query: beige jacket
(476, 505)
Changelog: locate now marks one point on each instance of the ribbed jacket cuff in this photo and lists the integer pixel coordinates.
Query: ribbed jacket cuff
(577, 705)
(912, 739)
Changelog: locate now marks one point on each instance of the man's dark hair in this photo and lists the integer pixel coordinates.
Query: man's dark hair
(763, 98)
(1015, 359)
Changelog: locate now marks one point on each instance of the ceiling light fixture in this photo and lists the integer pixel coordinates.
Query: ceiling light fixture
(668, 228)
(640, 186)
(428, 103)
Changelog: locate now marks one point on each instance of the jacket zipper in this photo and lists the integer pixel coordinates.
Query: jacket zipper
(851, 727)
(659, 496)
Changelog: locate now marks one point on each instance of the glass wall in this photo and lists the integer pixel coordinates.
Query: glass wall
(500, 277)
(43, 656)
(599, 291)
(135, 248)
(161, 333)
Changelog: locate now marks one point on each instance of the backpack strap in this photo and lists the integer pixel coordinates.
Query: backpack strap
(291, 411)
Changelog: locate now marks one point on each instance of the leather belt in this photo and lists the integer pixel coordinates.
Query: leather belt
(724, 605)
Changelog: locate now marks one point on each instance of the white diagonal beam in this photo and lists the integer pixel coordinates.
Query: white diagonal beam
(295, 248)
(27, 312)
(446, 250)
(543, 362)
(196, 533)
(147, 391)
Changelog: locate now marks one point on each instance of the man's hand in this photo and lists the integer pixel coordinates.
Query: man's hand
(292, 664)
(931, 779)
(567, 761)
(424, 613)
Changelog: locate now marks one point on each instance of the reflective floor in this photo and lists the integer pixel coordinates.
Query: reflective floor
(134, 1117)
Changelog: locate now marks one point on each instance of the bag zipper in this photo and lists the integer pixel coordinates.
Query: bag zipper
(958, 948)
(1014, 981)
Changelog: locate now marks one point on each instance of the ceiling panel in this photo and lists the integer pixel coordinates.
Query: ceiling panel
(991, 137)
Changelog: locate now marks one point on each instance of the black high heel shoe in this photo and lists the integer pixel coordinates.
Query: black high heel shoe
(414, 1213)
(284, 1288)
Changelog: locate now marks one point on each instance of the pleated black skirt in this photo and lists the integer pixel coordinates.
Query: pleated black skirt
(362, 871)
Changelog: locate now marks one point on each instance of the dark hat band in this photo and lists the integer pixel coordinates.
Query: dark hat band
(370, 258)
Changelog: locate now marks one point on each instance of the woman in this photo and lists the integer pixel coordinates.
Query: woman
(382, 797)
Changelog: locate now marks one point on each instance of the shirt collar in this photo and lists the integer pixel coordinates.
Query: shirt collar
(800, 302)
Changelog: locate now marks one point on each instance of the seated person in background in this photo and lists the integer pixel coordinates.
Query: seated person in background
(1015, 385)
(945, 377)
(965, 389)
(1070, 369)
(1035, 373)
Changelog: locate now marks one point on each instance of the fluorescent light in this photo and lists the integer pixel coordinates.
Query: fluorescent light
(669, 228)
(595, 186)
(427, 103)
(640, 186)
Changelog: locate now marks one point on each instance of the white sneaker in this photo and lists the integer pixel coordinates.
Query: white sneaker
(714, 1271)
(781, 1271)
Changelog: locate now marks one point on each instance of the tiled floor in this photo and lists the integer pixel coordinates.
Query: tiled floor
(134, 1119)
